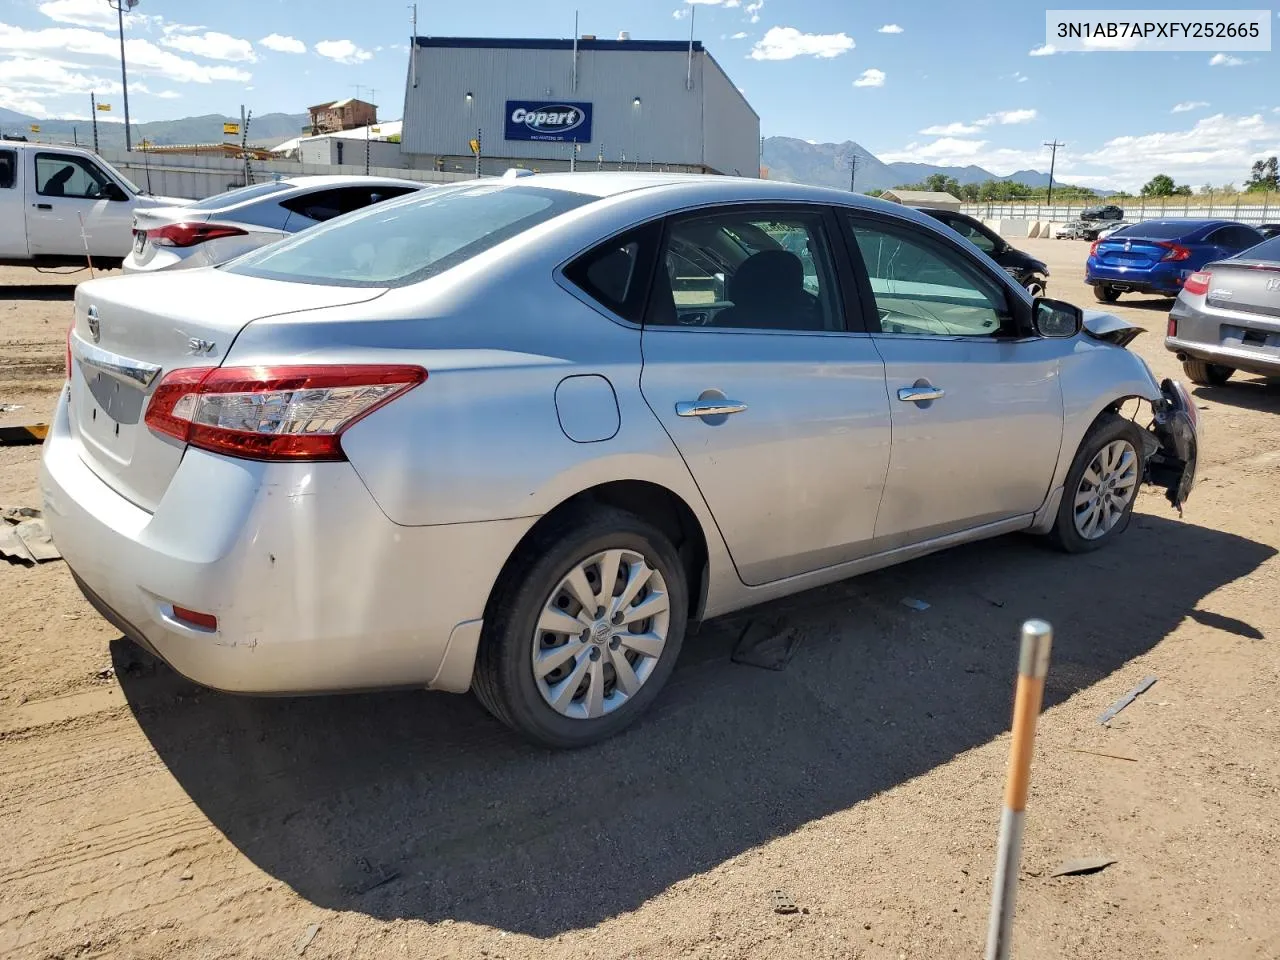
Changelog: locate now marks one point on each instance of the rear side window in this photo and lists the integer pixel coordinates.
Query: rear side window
(8, 169)
(410, 239)
(616, 273)
(322, 205)
(1235, 237)
(255, 191)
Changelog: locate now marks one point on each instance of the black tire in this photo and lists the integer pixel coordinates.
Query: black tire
(1206, 374)
(1035, 286)
(504, 678)
(1105, 294)
(1108, 428)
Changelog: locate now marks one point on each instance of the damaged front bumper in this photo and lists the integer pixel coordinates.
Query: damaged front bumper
(1173, 443)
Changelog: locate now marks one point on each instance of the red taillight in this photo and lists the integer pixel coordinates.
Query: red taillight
(204, 621)
(274, 413)
(1173, 327)
(1176, 250)
(189, 234)
(1197, 283)
(1093, 250)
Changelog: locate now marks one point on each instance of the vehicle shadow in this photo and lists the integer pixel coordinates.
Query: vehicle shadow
(38, 291)
(1255, 394)
(1154, 304)
(421, 806)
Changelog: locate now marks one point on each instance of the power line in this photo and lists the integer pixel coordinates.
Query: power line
(1054, 145)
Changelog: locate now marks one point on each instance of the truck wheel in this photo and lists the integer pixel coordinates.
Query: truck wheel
(1106, 294)
(583, 629)
(1101, 486)
(1206, 374)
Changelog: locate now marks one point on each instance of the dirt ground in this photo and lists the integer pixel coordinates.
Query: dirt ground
(141, 816)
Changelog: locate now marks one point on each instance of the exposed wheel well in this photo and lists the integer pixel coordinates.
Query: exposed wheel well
(659, 506)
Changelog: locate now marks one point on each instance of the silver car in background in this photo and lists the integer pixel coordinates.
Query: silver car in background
(1227, 317)
(221, 227)
(515, 435)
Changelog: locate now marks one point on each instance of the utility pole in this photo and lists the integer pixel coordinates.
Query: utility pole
(853, 170)
(93, 112)
(120, 6)
(1053, 145)
(413, 46)
(244, 143)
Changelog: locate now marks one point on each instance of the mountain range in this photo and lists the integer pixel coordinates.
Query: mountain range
(786, 158)
(827, 165)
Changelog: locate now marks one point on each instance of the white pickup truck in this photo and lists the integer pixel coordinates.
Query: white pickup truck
(57, 201)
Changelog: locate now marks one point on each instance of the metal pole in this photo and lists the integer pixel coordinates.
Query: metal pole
(1053, 158)
(1033, 665)
(575, 51)
(478, 148)
(688, 83)
(244, 144)
(93, 111)
(413, 47)
(124, 77)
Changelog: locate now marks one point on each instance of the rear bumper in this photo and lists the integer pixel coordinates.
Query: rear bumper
(1238, 358)
(1166, 284)
(315, 590)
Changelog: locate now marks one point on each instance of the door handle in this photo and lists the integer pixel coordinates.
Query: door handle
(44, 206)
(708, 408)
(919, 394)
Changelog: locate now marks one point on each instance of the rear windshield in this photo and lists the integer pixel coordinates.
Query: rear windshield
(239, 195)
(1266, 250)
(408, 239)
(1158, 229)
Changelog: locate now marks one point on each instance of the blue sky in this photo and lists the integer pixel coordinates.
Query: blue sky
(937, 82)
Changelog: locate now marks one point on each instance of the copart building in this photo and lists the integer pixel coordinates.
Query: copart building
(585, 104)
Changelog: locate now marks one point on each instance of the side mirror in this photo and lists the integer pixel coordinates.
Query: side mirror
(113, 191)
(1056, 319)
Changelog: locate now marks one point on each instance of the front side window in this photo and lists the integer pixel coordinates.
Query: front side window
(65, 175)
(322, 205)
(923, 289)
(8, 169)
(409, 239)
(747, 269)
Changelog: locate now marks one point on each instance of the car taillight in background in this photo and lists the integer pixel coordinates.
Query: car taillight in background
(1093, 250)
(1197, 283)
(274, 413)
(1172, 330)
(1176, 250)
(190, 234)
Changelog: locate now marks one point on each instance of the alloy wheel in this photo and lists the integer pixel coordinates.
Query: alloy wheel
(1106, 489)
(600, 634)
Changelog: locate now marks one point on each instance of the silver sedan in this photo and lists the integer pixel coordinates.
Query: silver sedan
(514, 436)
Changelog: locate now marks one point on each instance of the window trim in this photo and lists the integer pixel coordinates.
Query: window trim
(72, 158)
(849, 307)
(1016, 312)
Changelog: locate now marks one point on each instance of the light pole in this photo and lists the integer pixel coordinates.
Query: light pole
(120, 6)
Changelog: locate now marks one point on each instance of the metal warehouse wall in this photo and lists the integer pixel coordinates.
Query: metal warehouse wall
(668, 127)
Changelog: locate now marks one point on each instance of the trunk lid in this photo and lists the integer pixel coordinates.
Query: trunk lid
(129, 332)
(1134, 253)
(1249, 286)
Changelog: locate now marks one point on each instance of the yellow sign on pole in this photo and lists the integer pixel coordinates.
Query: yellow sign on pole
(375, 129)
(475, 147)
(35, 128)
(231, 129)
(104, 108)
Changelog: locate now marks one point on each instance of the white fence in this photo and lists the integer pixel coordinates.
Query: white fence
(195, 177)
(1197, 207)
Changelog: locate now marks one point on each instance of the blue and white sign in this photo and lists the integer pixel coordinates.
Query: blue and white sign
(548, 120)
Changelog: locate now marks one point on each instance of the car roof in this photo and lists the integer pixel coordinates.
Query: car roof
(349, 180)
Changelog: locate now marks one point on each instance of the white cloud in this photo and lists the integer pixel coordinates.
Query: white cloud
(1216, 149)
(144, 57)
(211, 45)
(680, 14)
(90, 13)
(890, 28)
(1188, 105)
(169, 95)
(281, 44)
(740, 35)
(15, 100)
(1018, 77)
(785, 43)
(949, 130)
(752, 10)
(1222, 60)
(1005, 117)
(1044, 50)
(342, 51)
(871, 77)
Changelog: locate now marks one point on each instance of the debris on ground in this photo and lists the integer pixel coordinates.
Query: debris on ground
(1099, 753)
(106, 673)
(304, 941)
(9, 407)
(914, 604)
(31, 433)
(369, 877)
(783, 903)
(765, 643)
(1083, 866)
(24, 537)
(1109, 713)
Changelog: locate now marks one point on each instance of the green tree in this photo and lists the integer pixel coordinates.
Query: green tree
(941, 183)
(1161, 185)
(1264, 177)
(874, 192)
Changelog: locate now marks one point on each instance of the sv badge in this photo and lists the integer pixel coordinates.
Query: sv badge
(199, 347)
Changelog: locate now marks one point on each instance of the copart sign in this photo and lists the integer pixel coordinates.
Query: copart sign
(555, 121)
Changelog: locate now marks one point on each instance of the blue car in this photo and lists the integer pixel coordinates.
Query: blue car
(1157, 256)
